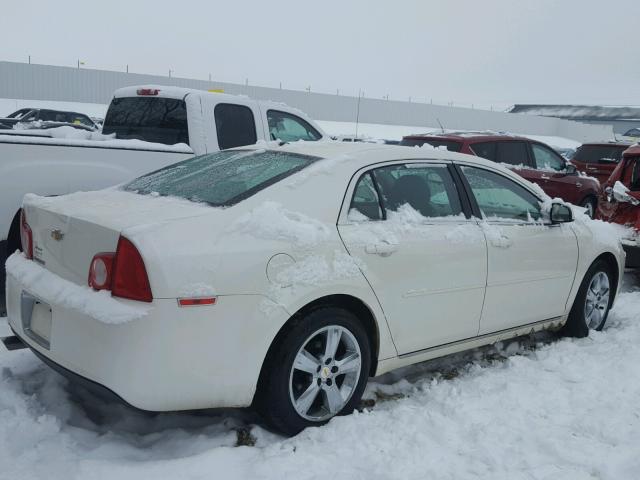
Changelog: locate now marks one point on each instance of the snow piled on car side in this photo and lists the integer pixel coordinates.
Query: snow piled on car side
(565, 409)
(272, 221)
(57, 291)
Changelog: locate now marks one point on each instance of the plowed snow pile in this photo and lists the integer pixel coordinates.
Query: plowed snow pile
(568, 409)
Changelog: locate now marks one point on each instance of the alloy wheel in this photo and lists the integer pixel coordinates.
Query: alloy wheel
(325, 373)
(597, 300)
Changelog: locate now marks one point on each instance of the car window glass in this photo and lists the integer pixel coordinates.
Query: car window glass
(235, 125)
(599, 153)
(512, 153)
(485, 150)
(428, 189)
(546, 158)
(221, 178)
(153, 119)
(290, 128)
(365, 198)
(501, 198)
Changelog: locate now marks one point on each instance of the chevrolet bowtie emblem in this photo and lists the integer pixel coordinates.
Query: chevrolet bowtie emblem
(57, 235)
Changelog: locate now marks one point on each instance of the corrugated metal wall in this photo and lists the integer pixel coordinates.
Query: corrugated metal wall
(44, 82)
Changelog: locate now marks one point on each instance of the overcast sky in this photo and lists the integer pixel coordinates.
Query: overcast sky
(485, 52)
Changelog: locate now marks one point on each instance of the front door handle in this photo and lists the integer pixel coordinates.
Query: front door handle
(383, 249)
(544, 177)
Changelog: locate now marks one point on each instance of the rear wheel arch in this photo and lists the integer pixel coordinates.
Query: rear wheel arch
(347, 302)
(610, 259)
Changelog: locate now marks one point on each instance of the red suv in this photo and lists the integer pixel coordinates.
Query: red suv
(599, 159)
(620, 201)
(532, 160)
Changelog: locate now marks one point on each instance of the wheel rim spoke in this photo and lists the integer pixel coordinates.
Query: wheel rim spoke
(333, 398)
(597, 300)
(325, 373)
(306, 362)
(304, 402)
(333, 340)
(348, 364)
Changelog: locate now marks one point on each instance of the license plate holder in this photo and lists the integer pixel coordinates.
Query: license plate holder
(36, 319)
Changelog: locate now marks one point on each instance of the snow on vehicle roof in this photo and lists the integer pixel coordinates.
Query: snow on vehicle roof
(465, 134)
(179, 93)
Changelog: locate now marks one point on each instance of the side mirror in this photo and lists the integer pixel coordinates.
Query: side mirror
(560, 213)
(571, 169)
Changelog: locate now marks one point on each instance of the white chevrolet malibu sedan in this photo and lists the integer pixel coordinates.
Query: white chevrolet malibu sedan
(283, 277)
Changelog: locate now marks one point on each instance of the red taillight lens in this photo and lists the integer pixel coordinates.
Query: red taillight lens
(26, 236)
(148, 91)
(130, 278)
(100, 271)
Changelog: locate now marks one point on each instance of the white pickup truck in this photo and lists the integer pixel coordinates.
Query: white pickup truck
(146, 128)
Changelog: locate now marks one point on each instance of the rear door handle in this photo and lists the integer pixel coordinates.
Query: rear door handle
(382, 249)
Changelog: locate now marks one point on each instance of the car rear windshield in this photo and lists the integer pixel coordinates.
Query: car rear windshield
(595, 153)
(221, 178)
(451, 145)
(153, 119)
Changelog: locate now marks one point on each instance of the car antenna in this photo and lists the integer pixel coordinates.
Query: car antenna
(439, 123)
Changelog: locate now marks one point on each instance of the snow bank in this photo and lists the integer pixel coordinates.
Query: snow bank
(271, 221)
(58, 291)
(535, 409)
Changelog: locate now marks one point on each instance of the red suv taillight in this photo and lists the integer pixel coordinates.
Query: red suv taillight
(123, 273)
(26, 236)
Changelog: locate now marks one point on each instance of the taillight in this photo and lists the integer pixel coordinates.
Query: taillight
(100, 271)
(26, 236)
(148, 91)
(129, 275)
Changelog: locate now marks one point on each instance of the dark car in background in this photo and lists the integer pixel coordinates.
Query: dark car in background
(47, 118)
(533, 160)
(599, 159)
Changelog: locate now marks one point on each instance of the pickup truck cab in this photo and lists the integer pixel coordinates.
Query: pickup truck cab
(146, 128)
(620, 202)
(205, 121)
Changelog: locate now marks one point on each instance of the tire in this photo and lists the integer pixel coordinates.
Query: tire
(598, 278)
(316, 380)
(590, 203)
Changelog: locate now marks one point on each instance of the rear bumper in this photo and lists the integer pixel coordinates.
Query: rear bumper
(171, 359)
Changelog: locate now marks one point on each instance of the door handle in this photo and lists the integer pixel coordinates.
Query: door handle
(592, 169)
(544, 177)
(382, 249)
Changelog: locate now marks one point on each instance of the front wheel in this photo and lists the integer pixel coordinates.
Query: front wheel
(318, 370)
(591, 306)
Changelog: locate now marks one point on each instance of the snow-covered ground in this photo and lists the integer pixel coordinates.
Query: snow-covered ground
(537, 408)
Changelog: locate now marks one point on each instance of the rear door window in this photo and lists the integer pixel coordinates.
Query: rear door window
(513, 153)
(427, 189)
(152, 119)
(290, 128)
(485, 150)
(235, 125)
